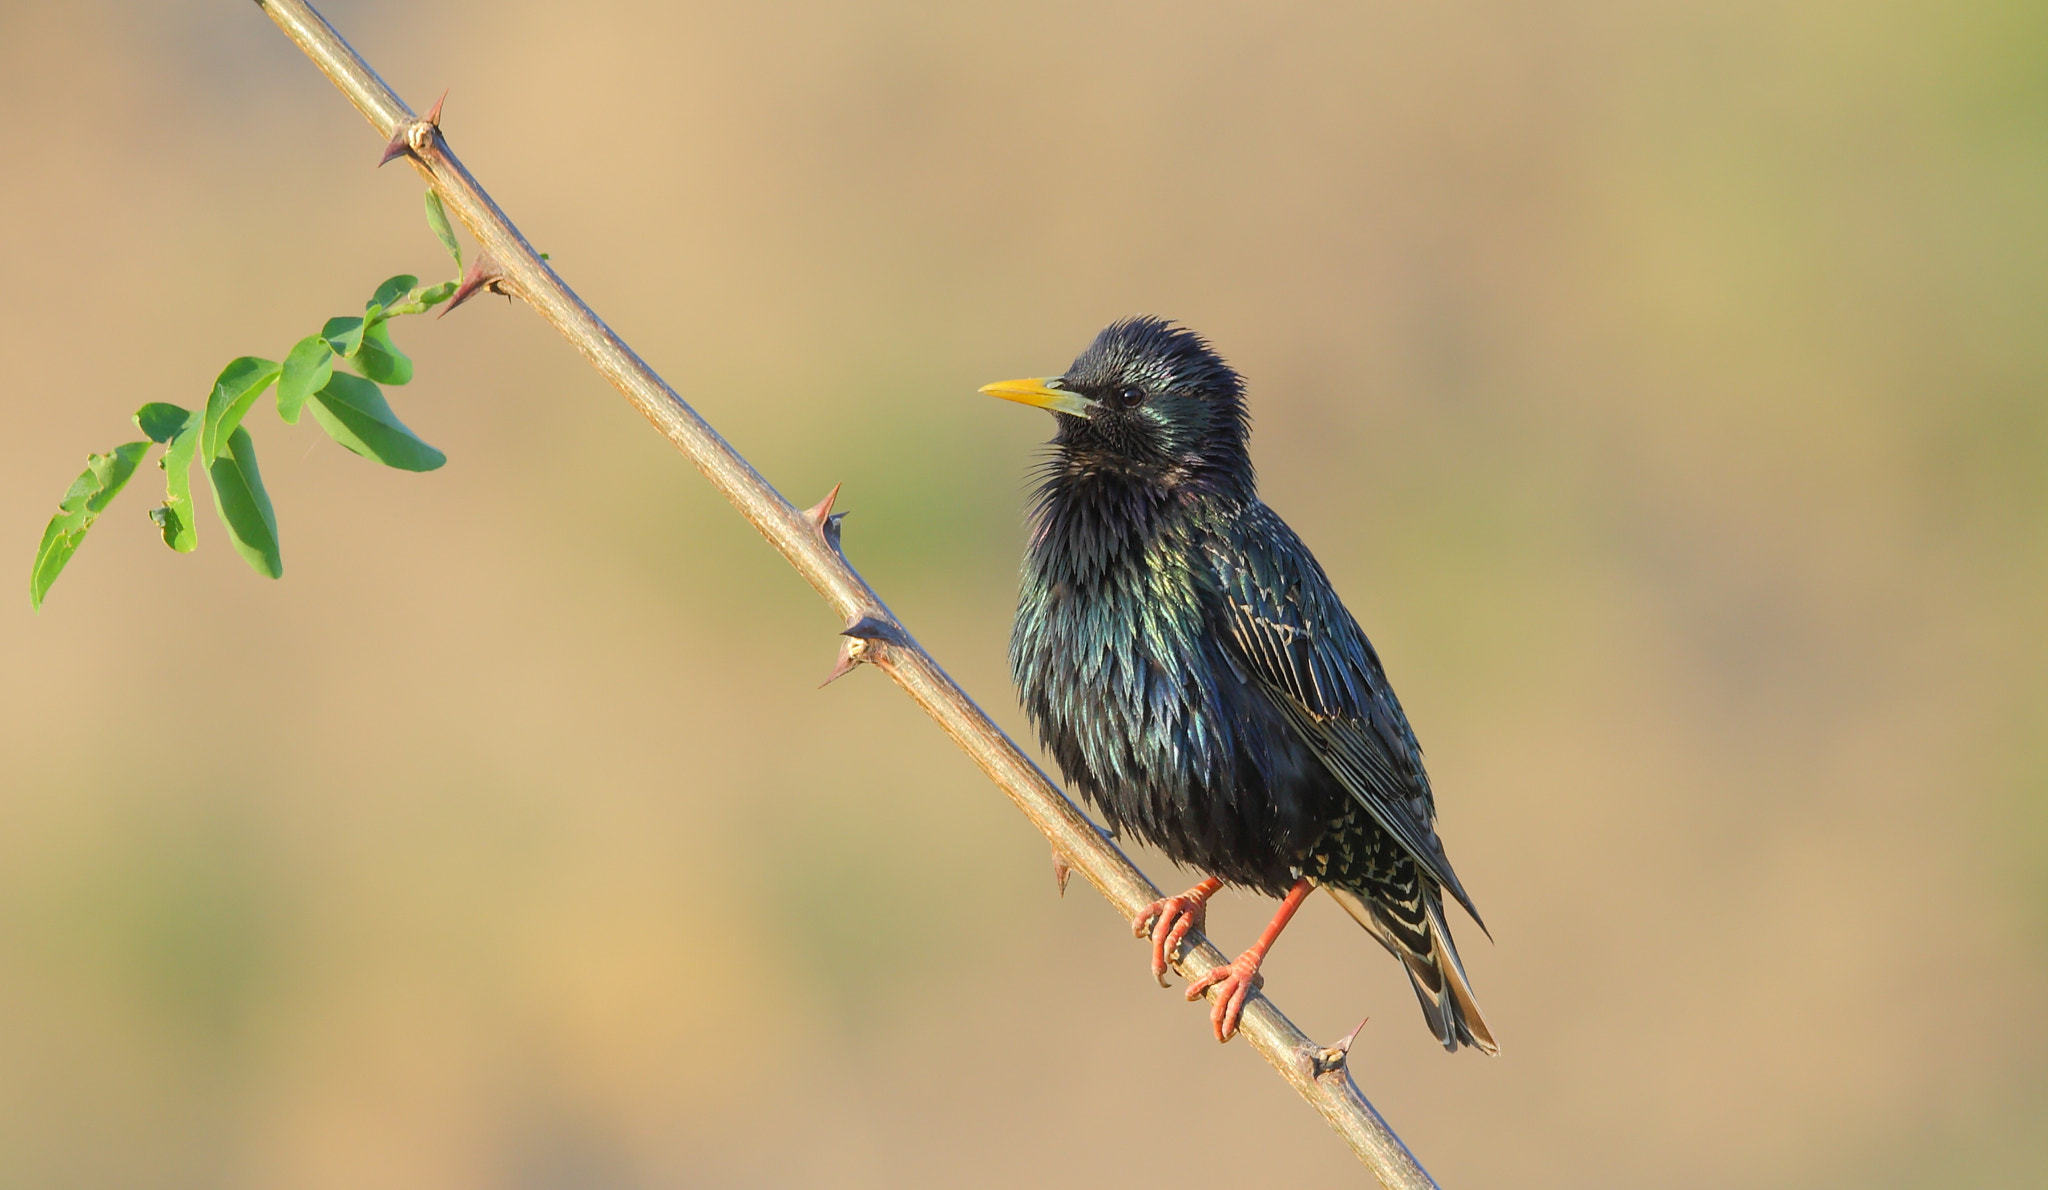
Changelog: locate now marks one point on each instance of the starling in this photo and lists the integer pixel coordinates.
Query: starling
(1186, 662)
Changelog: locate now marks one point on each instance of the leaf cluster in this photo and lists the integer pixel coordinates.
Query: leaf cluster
(349, 406)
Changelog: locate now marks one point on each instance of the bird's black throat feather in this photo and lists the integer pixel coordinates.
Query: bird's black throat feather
(1085, 520)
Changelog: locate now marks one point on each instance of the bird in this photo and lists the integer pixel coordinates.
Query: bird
(1187, 663)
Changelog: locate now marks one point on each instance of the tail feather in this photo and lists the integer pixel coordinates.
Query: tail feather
(1431, 959)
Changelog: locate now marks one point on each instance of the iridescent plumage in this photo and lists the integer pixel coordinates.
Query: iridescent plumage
(1194, 675)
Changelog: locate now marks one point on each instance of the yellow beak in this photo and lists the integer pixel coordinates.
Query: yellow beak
(1044, 393)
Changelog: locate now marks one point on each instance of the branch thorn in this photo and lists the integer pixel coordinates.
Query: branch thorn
(413, 136)
(852, 651)
(1061, 869)
(865, 637)
(1331, 1058)
(817, 513)
(875, 630)
(485, 274)
(824, 520)
(397, 146)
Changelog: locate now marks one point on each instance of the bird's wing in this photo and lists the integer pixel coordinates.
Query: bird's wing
(1283, 627)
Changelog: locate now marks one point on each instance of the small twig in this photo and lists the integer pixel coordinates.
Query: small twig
(809, 542)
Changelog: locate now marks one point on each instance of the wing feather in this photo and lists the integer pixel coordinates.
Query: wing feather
(1296, 640)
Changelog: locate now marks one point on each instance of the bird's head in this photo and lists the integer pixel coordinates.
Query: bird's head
(1150, 401)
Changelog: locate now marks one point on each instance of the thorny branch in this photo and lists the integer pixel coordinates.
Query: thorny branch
(809, 540)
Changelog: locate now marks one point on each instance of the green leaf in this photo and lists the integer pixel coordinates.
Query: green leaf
(380, 359)
(344, 335)
(306, 369)
(392, 289)
(244, 506)
(437, 218)
(161, 420)
(355, 414)
(61, 538)
(437, 294)
(240, 383)
(178, 530)
(104, 477)
(181, 428)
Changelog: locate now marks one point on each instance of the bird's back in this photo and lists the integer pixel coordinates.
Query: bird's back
(1292, 640)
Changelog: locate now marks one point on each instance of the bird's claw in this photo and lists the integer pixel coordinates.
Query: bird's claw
(1234, 984)
(1168, 921)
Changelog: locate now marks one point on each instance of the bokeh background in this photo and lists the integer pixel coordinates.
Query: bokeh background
(1661, 384)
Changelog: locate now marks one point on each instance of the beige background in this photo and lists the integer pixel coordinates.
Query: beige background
(1661, 384)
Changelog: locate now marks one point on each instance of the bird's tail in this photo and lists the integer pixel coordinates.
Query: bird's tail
(1425, 948)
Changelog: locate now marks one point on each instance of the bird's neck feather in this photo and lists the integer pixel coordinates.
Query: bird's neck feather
(1090, 520)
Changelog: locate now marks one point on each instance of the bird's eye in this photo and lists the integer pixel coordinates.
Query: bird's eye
(1130, 396)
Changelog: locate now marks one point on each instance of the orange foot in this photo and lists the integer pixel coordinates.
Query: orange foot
(1168, 921)
(1233, 984)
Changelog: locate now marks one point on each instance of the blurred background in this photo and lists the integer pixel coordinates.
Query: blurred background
(1661, 385)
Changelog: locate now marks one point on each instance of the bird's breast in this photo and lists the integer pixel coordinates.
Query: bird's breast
(1108, 653)
(1128, 688)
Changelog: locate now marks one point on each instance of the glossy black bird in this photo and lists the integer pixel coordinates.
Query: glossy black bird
(1185, 661)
